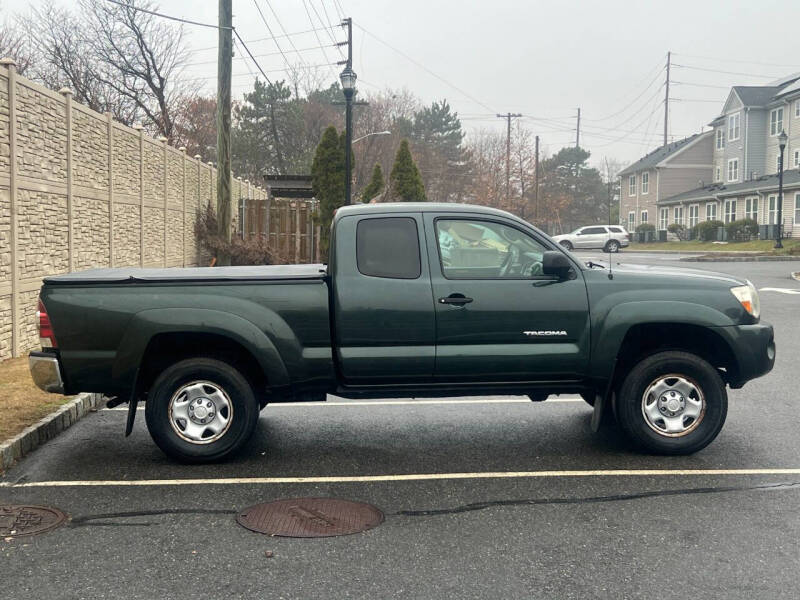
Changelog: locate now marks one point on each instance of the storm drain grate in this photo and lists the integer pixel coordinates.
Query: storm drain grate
(18, 520)
(310, 517)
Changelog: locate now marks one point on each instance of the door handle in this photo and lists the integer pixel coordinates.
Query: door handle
(457, 299)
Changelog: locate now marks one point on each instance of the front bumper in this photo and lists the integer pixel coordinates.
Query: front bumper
(754, 348)
(46, 372)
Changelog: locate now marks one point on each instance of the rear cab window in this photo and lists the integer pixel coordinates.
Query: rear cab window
(388, 247)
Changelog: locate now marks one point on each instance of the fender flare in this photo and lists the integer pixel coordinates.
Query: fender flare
(149, 323)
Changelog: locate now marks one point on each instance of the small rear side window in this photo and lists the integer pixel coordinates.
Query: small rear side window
(616, 229)
(388, 247)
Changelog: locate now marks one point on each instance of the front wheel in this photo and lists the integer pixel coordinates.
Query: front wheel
(672, 403)
(201, 410)
(612, 246)
(566, 245)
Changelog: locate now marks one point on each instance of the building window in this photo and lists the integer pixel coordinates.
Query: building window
(797, 208)
(776, 121)
(663, 217)
(730, 211)
(733, 169)
(733, 127)
(718, 174)
(797, 158)
(773, 209)
(644, 216)
(645, 183)
(711, 211)
(694, 215)
(678, 215)
(632, 185)
(797, 109)
(751, 208)
(720, 138)
(631, 220)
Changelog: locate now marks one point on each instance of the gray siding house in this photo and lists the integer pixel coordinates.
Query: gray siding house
(664, 172)
(745, 161)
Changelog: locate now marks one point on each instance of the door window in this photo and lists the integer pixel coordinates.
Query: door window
(593, 231)
(486, 250)
(388, 247)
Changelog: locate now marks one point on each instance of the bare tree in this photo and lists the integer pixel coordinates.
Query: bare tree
(140, 57)
(14, 43)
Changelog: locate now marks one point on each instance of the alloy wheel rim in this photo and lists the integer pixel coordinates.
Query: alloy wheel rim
(673, 405)
(200, 412)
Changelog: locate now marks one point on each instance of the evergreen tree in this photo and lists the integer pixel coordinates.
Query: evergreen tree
(327, 179)
(375, 185)
(405, 180)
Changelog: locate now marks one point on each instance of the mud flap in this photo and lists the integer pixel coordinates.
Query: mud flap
(131, 414)
(599, 412)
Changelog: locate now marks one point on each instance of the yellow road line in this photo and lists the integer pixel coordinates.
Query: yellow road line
(406, 477)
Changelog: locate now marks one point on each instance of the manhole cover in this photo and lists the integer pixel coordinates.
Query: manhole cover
(17, 520)
(310, 517)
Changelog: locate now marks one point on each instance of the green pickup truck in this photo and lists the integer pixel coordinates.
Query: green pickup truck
(418, 300)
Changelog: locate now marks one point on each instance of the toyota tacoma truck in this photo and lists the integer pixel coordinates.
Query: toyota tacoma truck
(417, 300)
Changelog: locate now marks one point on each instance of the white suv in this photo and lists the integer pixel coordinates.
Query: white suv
(608, 237)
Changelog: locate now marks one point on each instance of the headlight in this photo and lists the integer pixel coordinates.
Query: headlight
(748, 297)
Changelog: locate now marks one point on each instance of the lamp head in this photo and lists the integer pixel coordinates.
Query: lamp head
(782, 140)
(348, 78)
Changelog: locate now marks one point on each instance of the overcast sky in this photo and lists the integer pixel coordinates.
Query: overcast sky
(541, 59)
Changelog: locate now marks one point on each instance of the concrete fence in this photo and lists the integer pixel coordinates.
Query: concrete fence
(79, 190)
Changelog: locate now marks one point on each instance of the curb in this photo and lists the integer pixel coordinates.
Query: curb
(740, 258)
(47, 428)
(742, 252)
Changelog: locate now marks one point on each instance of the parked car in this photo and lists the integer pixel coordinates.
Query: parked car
(417, 300)
(608, 237)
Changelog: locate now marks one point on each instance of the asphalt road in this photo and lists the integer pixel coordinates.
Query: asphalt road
(535, 512)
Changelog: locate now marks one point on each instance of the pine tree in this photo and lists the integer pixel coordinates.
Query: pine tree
(376, 184)
(405, 180)
(327, 179)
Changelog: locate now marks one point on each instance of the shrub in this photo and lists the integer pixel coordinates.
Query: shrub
(645, 227)
(706, 231)
(742, 229)
(678, 230)
(242, 252)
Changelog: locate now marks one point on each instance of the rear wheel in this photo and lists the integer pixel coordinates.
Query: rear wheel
(612, 246)
(201, 410)
(566, 245)
(672, 403)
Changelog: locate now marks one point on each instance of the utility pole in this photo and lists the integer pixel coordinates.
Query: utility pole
(608, 178)
(578, 131)
(536, 185)
(224, 59)
(508, 117)
(348, 78)
(666, 99)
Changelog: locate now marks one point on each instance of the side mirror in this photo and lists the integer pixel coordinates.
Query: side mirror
(555, 263)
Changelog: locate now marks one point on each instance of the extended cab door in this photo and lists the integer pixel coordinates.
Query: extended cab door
(498, 318)
(384, 324)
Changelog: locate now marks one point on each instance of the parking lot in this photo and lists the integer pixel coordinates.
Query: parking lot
(483, 497)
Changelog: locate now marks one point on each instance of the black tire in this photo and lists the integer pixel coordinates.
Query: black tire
(243, 414)
(700, 432)
(612, 247)
(566, 245)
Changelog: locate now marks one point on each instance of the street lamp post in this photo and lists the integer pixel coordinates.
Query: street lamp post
(348, 79)
(358, 139)
(782, 144)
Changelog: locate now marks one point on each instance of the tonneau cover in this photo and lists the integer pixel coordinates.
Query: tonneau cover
(176, 274)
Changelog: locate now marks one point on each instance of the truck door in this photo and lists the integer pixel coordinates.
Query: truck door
(498, 318)
(384, 323)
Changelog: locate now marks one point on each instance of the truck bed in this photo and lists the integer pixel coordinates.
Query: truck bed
(177, 274)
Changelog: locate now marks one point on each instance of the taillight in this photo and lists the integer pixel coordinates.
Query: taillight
(46, 336)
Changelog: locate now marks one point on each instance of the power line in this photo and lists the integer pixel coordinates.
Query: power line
(266, 54)
(269, 29)
(280, 24)
(735, 61)
(426, 69)
(724, 72)
(328, 31)
(706, 85)
(250, 54)
(649, 116)
(265, 39)
(163, 16)
(659, 69)
(319, 41)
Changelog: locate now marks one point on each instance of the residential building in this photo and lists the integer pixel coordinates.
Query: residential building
(745, 157)
(677, 167)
